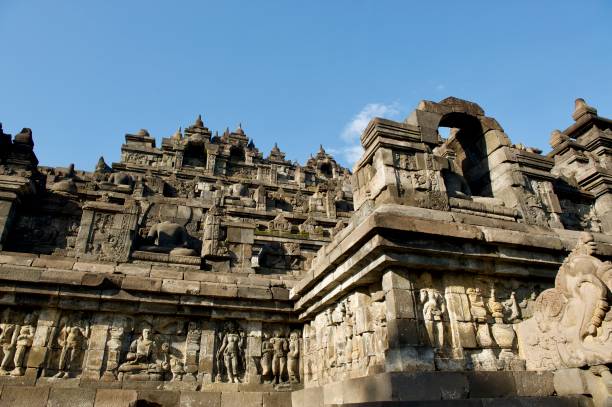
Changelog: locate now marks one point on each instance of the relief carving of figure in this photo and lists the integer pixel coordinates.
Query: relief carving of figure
(433, 314)
(293, 357)
(168, 237)
(73, 340)
(280, 347)
(480, 317)
(571, 325)
(230, 356)
(8, 339)
(24, 342)
(267, 350)
(21, 341)
(146, 359)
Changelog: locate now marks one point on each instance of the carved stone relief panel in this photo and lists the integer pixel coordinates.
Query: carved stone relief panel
(469, 321)
(17, 331)
(68, 346)
(106, 231)
(281, 348)
(39, 231)
(579, 216)
(571, 324)
(348, 339)
(230, 357)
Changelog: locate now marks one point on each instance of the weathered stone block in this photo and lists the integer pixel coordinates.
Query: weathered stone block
(180, 287)
(367, 389)
(241, 399)
(491, 384)
(140, 270)
(27, 396)
(166, 273)
(280, 293)
(534, 384)
(159, 397)
(429, 386)
(16, 260)
(54, 263)
(200, 399)
(62, 276)
(277, 399)
(115, 398)
(396, 279)
(400, 304)
(141, 284)
(401, 332)
(94, 267)
(71, 397)
(218, 290)
(255, 292)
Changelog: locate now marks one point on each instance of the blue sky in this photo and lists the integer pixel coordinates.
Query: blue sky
(82, 74)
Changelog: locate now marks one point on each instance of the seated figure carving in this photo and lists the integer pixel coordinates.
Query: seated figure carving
(146, 359)
(169, 237)
(120, 178)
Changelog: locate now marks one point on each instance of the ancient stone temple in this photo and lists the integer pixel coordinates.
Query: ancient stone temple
(464, 270)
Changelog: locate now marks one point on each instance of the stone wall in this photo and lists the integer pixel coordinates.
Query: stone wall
(201, 272)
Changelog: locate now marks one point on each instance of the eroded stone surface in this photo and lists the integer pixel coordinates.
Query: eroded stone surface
(202, 264)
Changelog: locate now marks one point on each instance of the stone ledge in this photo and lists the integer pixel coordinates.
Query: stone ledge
(429, 388)
(436, 224)
(51, 396)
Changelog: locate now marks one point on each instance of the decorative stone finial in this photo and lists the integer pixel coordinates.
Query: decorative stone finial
(24, 137)
(581, 108)
(177, 135)
(239, 129)
(199, 122)
(556, 138)
(102, 166)
(143, 133)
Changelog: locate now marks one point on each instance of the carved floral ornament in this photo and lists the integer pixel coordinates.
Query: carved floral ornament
(572, 323)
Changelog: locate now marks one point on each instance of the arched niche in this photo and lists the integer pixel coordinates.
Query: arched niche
(473, 138)
(237, 154)
(469, 151)
(194, 155)
(325, 169)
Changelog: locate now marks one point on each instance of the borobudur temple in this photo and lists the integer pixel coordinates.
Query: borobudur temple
(458, 270)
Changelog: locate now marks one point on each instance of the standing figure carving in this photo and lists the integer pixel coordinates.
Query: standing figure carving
(23, 343)
(279, 355)
(433, 314)
(8, 338)
(293, 357)
(266, 356)
(73, 340)
(230, 355)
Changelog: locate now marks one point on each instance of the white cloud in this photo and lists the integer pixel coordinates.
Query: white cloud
(357, 125)
(351, 133)
(440, 87)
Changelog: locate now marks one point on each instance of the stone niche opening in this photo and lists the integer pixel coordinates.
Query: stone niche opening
(325, 169)
(466, 145)
(195, 155)
(237, 154)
